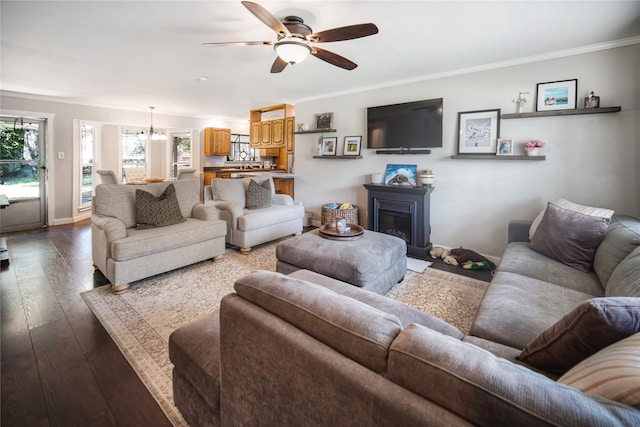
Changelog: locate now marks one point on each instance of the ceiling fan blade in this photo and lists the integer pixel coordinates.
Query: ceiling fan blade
(267, 18)
(238, 44)
(333, 58)
(344, 33)
(278, 65)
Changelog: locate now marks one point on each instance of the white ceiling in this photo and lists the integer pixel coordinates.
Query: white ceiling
(133, 54)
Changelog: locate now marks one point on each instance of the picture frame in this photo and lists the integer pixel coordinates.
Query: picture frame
(401, 175)
(329, 145)
(324, 120)
(560, 95)
(592, 101)
(478, 131)
(505, 147)
(352, 145)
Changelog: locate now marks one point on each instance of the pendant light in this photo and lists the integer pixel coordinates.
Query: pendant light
(154, 135)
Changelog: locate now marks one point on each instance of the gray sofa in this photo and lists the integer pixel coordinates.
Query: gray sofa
(248, 225)
(305, 349)
(124, 253)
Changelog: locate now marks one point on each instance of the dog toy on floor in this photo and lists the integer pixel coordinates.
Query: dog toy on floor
(470, 265)
(466, 255)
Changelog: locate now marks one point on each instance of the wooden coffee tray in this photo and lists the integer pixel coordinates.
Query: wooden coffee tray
(329, 231)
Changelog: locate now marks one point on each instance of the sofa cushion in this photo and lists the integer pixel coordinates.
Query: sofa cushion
(229, 190)
(405, 313)
(519, 258)
(155, 240)
(570, 237)
(158, 211)
(613, 372)
(623, 236)
(566, 204)
(117, 201)
(488, 390)
(350, 327)
(194, 350)
(516, 309)
(625, 279)
(588, 328)
(258, 195)
(253, 219)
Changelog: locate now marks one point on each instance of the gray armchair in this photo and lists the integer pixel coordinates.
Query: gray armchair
(250, 227)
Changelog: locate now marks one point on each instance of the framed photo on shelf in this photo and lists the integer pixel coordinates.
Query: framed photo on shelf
(505, 147)
(352, 145)
(592, 101)
(478, 131)
(329, 146)
(560, 95)
(323, 120)
(401, 175)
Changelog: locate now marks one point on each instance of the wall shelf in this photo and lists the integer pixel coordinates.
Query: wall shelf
(577, 111)
(338, 157)
(494, 157)
(303, 132)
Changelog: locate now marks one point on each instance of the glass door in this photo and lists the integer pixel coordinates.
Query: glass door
(22, 173)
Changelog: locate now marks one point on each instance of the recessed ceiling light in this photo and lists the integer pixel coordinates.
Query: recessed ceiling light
(203, 78)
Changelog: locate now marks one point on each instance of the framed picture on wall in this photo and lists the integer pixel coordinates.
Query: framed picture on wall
(352, 145)
(560, 95)
(505, 147)
(478, 131)
(329, 146)
(323, 120)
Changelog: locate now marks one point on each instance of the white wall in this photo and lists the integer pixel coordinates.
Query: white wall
(591, 159)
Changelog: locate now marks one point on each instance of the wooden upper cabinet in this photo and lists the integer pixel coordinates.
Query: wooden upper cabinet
(254, 135)
(277, 133)
(289, 138)
(265, 134)
(217, 142)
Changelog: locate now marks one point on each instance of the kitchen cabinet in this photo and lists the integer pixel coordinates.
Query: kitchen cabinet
(208, 177)
(217, 142)
(284, 186)
(289, 139)
(270, 152)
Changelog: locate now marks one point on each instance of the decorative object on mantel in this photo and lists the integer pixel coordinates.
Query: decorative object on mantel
(592, 101)
(323, 121)
(376, 178)
(505, 147)
(478, 131)
(352, 145)
(520, 101)
(427, 177)
(560, 95)
(401, 175)
(531, 146)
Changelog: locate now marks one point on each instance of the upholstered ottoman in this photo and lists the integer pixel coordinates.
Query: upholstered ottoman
(375, 262)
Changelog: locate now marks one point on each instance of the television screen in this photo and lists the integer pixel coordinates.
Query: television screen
(408, 125)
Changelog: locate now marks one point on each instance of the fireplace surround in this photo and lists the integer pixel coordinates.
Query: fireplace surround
(402, 212)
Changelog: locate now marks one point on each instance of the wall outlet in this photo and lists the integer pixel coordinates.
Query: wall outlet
(61, 154)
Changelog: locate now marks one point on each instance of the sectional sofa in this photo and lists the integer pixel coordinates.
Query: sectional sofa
(305, 349)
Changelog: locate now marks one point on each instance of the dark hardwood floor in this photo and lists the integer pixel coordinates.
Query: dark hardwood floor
(59, 366)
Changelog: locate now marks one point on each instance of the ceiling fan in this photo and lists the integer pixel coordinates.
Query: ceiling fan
(296, 39)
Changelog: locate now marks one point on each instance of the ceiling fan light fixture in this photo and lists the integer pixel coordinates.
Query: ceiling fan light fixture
(292, 51)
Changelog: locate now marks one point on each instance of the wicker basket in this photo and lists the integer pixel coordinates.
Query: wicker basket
(330, 215)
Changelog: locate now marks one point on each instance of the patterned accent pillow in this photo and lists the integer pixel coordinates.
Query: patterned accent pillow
(613, 373)
(158, 211)
(259, 195)
(587, 329)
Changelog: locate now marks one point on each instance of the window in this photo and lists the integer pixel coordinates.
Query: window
(134, 151)
(180, 156)
(87, 164)
(240, 149)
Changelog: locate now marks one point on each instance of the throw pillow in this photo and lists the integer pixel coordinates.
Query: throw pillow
(259, 195)
(588, 328)
(158, 211)
(587, 210)
(569, 237)
(613, 373)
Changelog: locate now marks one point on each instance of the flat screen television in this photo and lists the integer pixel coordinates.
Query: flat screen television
(410, 125)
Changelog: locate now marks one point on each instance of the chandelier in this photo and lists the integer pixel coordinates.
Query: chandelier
(155, 136)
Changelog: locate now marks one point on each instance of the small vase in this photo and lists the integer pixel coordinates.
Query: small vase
(533, 152)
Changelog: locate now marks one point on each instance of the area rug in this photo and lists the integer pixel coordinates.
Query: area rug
(141, 320)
